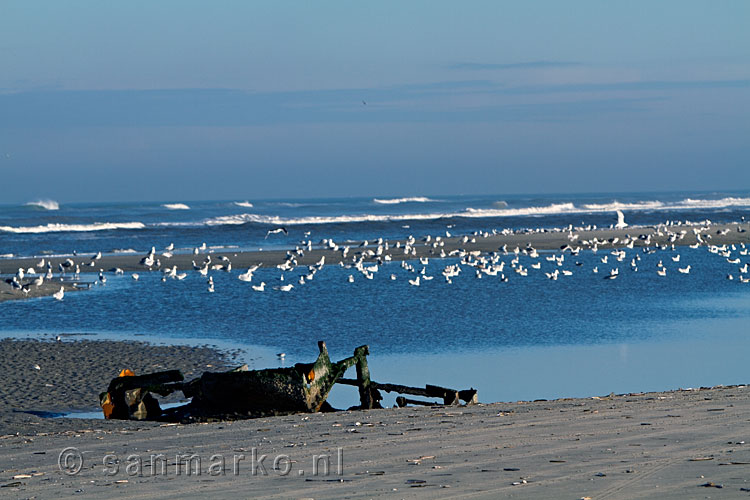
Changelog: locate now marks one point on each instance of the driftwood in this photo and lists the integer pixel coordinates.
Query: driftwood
(130, 398)
(450, 397)
(244, 393)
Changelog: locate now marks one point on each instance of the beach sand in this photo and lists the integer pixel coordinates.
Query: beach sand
(656, 445)
(72, 373)
(549, 240)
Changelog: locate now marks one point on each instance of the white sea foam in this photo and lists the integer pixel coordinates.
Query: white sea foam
(176, 206)
(45, 204)
(396, 201)
(59, 228)
(340, 219)
(124, 250)
(245, 204)
(474, 213)
(616, 205)
(553, 209)
(722, 203)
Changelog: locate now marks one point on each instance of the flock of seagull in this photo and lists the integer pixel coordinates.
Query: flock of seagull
(370, 257)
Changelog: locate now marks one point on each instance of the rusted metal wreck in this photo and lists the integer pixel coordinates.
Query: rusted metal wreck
(244, 393)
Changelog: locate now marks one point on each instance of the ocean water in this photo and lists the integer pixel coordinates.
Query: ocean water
(527, 338)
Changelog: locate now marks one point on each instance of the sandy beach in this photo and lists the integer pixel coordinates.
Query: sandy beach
(682, 444)
(735, 233)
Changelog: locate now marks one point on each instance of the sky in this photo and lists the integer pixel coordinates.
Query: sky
(185, 100)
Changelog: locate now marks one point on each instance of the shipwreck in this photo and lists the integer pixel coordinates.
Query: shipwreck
(244, 393)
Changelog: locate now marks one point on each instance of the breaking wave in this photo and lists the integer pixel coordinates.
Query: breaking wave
(493, 211)
(616, 205)
(45, 204)
(59, 228)
(245, 204)
(724, 202)
(552, 209)
(176, 206)
(396, 201)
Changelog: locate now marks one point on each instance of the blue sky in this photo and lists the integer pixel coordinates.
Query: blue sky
(219, 100)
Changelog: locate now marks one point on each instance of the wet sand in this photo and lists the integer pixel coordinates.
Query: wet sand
(548, 240)
(656, 445)
(41, 376)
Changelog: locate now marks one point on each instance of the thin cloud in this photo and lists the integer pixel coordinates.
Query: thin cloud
(631, 86)
(474, 66)
(436, 101)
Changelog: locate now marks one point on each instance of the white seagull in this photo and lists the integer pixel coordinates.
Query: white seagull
(620, 221)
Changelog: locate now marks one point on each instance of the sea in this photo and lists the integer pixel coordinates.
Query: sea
(522, 339)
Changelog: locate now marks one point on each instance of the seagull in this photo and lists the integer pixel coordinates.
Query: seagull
(414, 282)
(620, 221)
(684, 270)
(259, 288)
(277, 230)
(285, 288)
(211, 287)
(135, 276)
(59, 295)
(662, 271)
(248, 276)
